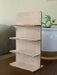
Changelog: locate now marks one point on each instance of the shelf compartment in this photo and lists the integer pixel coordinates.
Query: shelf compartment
(29, 47)
(28, 59)
(26, 66)
(28, 32)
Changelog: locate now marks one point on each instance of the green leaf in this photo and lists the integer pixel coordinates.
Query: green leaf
(47, 22)
(46, 19)
(53, 20)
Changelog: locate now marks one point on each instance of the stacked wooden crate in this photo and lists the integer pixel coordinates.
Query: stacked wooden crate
(28, 41)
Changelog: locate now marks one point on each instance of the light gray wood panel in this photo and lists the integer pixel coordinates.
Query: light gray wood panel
(28, 47)
(29, 18)
(28, 32)
(28, 59)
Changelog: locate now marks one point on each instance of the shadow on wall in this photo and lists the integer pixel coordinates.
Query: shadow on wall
(5, 43)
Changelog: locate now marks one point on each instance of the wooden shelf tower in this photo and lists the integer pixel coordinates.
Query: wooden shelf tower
(28, 41)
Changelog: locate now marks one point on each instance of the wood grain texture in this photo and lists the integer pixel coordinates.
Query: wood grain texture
(29, 32)
(29, 18)
(22, 52)
(28, 47)
(35, 61)
(28, 41)
(28, 67)
(25, 39)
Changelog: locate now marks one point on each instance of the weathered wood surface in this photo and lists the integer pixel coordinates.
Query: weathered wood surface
(28, 59)
(28, 47)
(28, 32)
(28, 41)
(26, 66)
(25, 39)
(29, 18)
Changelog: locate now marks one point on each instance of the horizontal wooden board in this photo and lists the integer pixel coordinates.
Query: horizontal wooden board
(28, 47)
(13, 51)
(25, 25)
(29, 18)
(28, 59)
(29, 32)
(16, 38)
(22, 52)
(26, 66)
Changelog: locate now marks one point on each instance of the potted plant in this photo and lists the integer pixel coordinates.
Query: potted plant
(49, 37)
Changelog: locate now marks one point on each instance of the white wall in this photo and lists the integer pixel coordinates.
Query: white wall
(9, 9)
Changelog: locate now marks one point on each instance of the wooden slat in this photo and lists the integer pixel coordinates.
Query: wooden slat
(13, 51)
(29, 32)
(29, 18)
(25, 25)
(28, 47)
(26, 53)
(16, 38)
(26, 66)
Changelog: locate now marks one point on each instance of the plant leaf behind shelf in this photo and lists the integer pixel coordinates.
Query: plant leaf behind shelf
(47, 22)
(53, 20)
(47, 18)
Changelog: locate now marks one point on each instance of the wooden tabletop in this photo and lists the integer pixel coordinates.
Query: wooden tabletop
(50, 68)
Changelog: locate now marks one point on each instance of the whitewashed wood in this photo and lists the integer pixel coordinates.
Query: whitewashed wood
(25, 25)
(13, 51)
(22, 52)
(28, 59)
(26, 66)
(28, 41)
(16, 38)
(29, 18)
(28, 47)
(29, 32)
